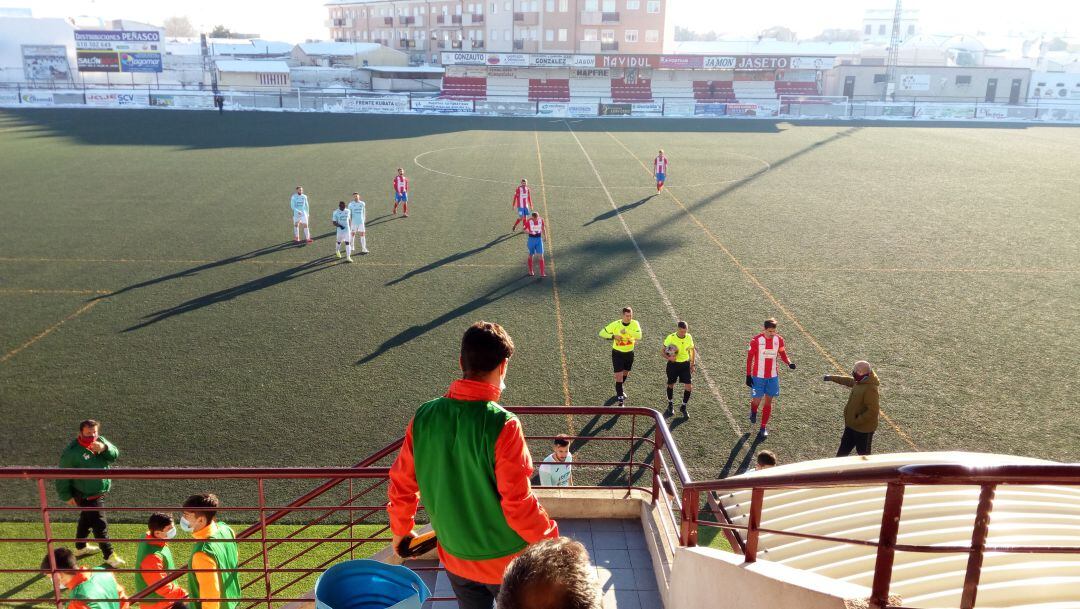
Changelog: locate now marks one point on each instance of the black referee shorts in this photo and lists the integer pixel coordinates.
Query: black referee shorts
(678, 371)
(622, 360)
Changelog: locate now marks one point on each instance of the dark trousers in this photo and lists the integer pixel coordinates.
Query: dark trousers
(856, 440)
(473, 595)
(93, 520)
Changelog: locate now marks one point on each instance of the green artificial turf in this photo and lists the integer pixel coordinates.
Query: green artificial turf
(945, 254)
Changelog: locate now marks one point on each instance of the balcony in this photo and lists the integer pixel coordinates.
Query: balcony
(527, 18)
(406, 43)
(519, 44)
(609, 17)
(474, 18)
(406, 20)
(455, 44)
(609, 46)
(477, 44)
(455, 19)
(441, 19)
(388, 21)
(591, 18)
(589, 46)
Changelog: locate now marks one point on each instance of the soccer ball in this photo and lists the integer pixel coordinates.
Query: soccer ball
(671, 350)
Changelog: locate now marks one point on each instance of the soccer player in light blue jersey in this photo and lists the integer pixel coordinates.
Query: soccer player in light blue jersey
(358, 209)
(300, 211)
(341, 218)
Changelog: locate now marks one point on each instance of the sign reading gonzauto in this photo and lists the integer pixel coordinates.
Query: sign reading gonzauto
(118, 51)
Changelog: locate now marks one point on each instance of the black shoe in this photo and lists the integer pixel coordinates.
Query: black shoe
(670, 412)
(684, 412)
(763, 433)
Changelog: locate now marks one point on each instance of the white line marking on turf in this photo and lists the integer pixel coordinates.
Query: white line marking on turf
(513, 182)
(83, 309)
(223, 264)
(51, 291)
(656, 283)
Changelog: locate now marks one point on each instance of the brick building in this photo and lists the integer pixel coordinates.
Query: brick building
(424, 28)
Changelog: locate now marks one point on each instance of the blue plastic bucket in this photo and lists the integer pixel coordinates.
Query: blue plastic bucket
(369, 584)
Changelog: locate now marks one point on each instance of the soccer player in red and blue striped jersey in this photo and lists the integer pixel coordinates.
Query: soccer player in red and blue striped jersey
(522, 203)
(761, 376)
(401, 192)
(660, 165)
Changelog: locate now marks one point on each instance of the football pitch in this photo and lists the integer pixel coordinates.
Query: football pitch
(148, 279)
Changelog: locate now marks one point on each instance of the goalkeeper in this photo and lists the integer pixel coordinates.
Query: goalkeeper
(681, 358)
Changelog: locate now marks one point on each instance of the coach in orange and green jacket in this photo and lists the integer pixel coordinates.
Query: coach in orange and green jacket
(466, 457)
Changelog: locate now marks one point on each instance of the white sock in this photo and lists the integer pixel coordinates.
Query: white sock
(363, 244)
(296, 232)
(337, 246)
(307, 232)
(348, 250)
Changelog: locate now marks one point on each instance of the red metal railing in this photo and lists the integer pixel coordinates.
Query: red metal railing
(650, 450)
(282, 565)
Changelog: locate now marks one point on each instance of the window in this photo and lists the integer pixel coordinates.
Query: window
(494, 8)
(549, 6)
(880, 78)
(564, 6)
(479, 34)
(653, 7)
(562, 36)
(506, 35)
(508, 6)
(609, 6)
(633, 5)
(881, 30)
(652, 35)
(494, 34)
(590, 36)
(963, 80)
(273, 79)
(549, 35)
(869, 29)
(607, 35)
(365, 34)
(630, 35)
(910, 30)
(591, 6)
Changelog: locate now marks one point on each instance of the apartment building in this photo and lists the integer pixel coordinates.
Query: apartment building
(425, 28)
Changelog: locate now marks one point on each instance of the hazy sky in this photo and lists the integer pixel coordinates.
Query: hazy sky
(300, 19)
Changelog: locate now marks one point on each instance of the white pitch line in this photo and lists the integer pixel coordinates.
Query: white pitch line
(656, 283)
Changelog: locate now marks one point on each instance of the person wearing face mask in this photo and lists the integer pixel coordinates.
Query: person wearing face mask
(212, 555)
(466, 457)
(155, 559)
(861, 412)
(87, 588)
(89, 450)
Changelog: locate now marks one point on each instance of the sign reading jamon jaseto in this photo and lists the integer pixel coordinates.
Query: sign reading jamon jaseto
(707, 62)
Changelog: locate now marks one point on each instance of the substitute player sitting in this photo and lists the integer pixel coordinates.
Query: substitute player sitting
(401, 192)
(681, 358)
(341, 219)
(761, 374)
(624, 334)
(522, 203)
(660, 165)
(300, 210)
(358, 211)
(534, 228)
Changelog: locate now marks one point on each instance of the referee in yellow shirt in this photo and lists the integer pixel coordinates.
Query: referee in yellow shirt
(623, 334)
(681, 357)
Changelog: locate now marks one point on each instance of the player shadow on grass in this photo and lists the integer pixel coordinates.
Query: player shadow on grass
(504, 289)
(607, 215)
(743, 466)
(307, 268)
(382, 219)
(431, 266)
(263, 251)
(14, 590)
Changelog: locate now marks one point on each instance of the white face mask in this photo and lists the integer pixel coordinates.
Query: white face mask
(184, 524)
(502, 384)
(171, 532)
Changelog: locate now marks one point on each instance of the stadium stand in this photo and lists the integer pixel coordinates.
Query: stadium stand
(749, 90)
(784, 87)
(508, 88)
(583, 88)
(713, 91)
(672, 89)
(464, 87)
(622, 91)
(549, 90)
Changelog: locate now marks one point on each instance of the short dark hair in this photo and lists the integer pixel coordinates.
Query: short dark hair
(204, 504)
(553, 574)
(88, 423)
(561, 440)
(158, 521)
(628, 310)
(179, 605)
(65, 560)
(766, 457)
(356, 193)
(484, 346)
(770, 323)
(682, 324)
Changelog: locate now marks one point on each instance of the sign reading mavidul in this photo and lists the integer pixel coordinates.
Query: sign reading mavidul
(45, 62)
(118, 51)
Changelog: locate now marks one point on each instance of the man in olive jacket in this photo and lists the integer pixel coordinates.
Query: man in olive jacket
(861, 412)
(89, 450)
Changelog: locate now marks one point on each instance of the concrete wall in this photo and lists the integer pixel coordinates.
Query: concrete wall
(941, 82)
(703, 577)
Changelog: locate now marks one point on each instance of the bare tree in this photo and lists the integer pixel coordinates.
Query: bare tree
(780, 33)
(179, 26)
(837, 35)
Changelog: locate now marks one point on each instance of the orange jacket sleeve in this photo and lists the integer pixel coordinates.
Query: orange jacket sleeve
(404, 491)
(153, 571)
(520, 506)
(208, 580)
(77, 605)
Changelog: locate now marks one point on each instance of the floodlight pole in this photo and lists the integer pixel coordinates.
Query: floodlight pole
(894, 52)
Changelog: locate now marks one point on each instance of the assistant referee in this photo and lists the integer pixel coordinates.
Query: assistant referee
(681, 358)
(624, 334)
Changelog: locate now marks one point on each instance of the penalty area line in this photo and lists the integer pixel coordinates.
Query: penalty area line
(47, 331)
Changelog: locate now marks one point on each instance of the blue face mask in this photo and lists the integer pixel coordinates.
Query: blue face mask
(171, 532)
(184, 524)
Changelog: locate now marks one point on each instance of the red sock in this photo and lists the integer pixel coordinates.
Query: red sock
(753, 407)
(530, 265)
(765, 413)
(542, 271)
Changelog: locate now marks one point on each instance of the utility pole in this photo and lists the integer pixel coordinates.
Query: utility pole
(894, 53)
